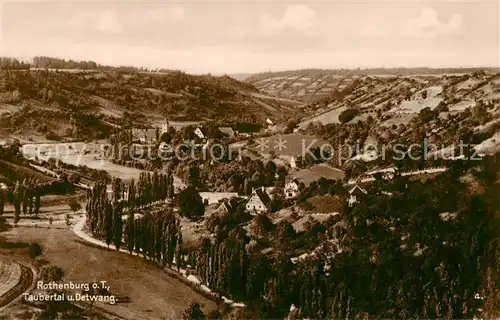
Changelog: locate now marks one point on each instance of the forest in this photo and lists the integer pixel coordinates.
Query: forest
(424, 251)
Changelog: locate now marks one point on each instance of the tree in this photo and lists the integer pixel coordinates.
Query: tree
(424, 94)
(285, 231)
(117, 224)
(347, 115)
(178, 252)
(190, 203)
(74, 178)
(194, 312)
(290, 126)
(36, 205)
(74, 206)
(35, 250)
(193, 175)
(17, 202)
(130, 231)
(2, 201)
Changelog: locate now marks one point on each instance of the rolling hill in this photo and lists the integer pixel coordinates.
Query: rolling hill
(40, 101)
(328, 93)
(313, 84)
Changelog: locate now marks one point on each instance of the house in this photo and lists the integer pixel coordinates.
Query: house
(293, 163)
(258, 202)
(199, 133)
(144, 136)
(228, 131)
(269, 122)
(227, 207)
(354, 195)
(292, 189)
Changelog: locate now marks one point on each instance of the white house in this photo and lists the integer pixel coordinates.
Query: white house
(258, 202)
(293, 163)
(199, 133)
(354, 194)
(292, 189)
(269, 122)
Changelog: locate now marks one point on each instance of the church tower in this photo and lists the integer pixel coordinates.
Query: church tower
(164, 126)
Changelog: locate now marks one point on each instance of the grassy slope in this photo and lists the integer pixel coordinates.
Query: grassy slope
(153, 293)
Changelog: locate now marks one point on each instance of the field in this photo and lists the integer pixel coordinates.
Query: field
(314, 173)
(325, 118)
(153, 293)
(462, 105)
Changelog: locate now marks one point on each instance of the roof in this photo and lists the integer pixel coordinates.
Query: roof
(357, 188)
(139, 133)
(263, 196)
(202, 129)
(225, 207)
(227, 130)
(296, 181)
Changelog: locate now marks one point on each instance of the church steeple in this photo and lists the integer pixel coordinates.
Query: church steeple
(165, 126)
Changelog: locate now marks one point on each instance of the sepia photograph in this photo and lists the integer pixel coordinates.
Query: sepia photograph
(234, 160)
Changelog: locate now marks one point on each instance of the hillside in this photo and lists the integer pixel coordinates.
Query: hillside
(311, 85)
(51, 103)
(403, 97)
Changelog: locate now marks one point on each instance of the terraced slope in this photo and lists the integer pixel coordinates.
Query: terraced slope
(403, 97)
(311, 85)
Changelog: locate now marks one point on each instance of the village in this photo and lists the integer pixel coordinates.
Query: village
(299, 194)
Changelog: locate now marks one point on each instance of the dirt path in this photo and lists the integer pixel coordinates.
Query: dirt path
(14, 284)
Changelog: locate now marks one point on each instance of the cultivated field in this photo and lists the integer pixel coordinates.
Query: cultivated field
(325, 118)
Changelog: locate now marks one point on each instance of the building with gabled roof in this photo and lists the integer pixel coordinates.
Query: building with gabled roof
(292, 189)
(228, 206)
(228, 131)
(200, 133)
(355, 193)
(258, 202)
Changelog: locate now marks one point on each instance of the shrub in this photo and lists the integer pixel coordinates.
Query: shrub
(50, 135)
(347, 115)
(35, 250)
(51, 273)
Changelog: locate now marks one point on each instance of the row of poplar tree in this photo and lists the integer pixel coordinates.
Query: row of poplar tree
(153, 234)
(25, 197)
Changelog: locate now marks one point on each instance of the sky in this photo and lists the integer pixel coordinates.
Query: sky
(246, 37)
